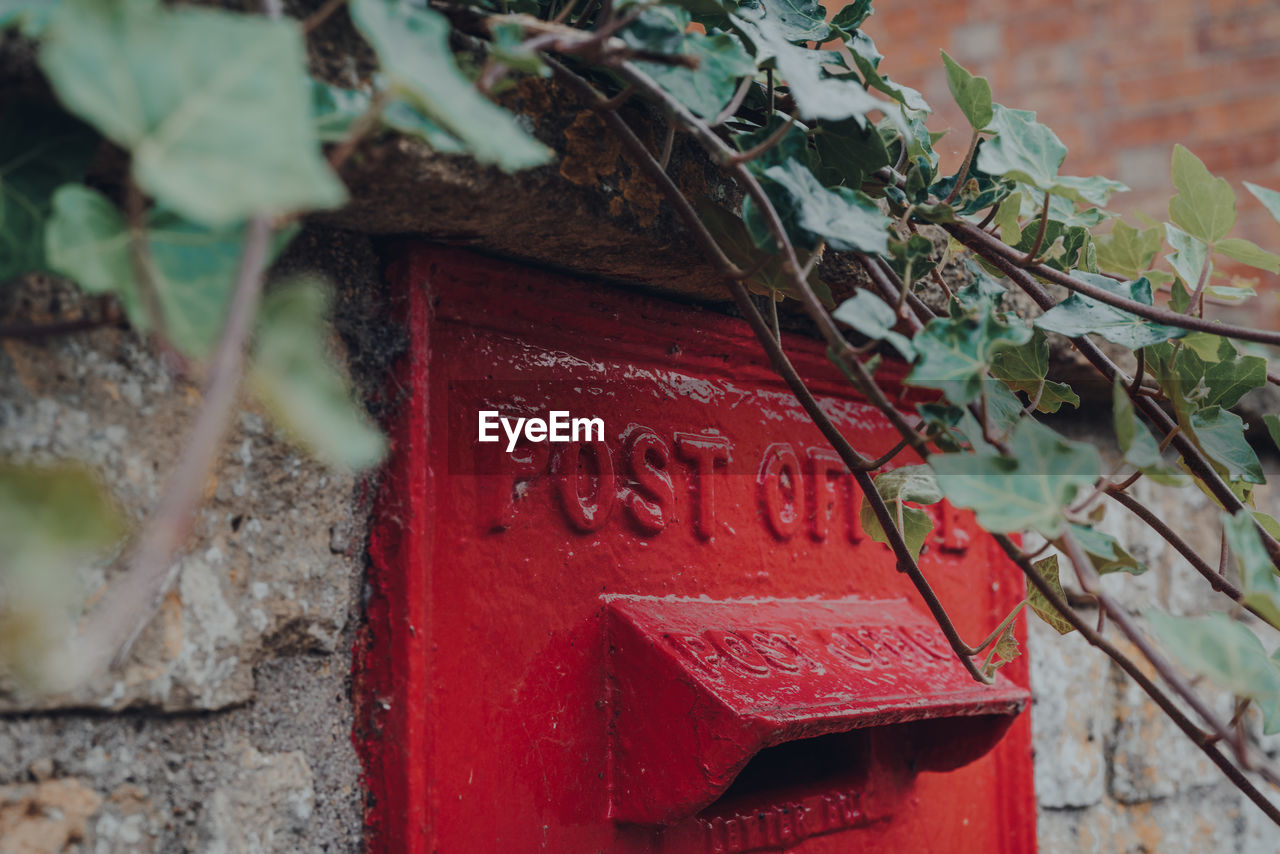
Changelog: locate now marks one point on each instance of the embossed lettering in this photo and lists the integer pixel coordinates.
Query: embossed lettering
(647, 457)
(781, 490)
(703, 453)
(516, 471)
(589, 512)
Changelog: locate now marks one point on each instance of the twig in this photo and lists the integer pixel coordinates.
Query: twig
(1201, 739)
(989, 247)
(769, 142)
(964, 167)
(358, 129)
(739, 95)
(1030, 257)
(129, 602)
(140, 259)
(319, 16)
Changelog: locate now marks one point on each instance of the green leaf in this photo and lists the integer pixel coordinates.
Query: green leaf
(956, 352)
(972, 94)
(213, 105)
(1272, 423)
(818, 94)
(193, 268)
(300, 384)
(1023, 149)
(1189, 257)
(1005, 650)
(1259, 586)
(1024, 368)
(849, 220)
(1270, 198)
(912, 258)
(1047, 568)
(41, 148)
(770, 276)
(1127, 251)
(1220, 434)
(333, 109)
(53, 519)
(1080, 315)
(1007, 219)
(721, 59)
(848, 152)
(796, 20)
(1030, 489)
(1105, 553)
(30, 17)
(867, 59)
(1225, 652)
(413, 47)
(1139, 447)
(1247, 252)
(852, 15)
(1205, 206)
(906, 483)
(875, 319)
(1096, 190)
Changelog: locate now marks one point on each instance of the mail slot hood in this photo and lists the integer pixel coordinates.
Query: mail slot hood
(700, 687)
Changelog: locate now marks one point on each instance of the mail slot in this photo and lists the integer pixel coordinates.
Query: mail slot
(667, 632)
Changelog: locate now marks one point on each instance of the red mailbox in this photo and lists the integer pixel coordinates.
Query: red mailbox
(665, 633)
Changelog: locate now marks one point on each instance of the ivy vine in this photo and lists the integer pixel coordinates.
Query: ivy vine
(226, 138)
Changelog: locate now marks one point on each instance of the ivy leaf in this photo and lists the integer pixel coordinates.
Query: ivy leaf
(1226, 652)
(193, 267)
(1270, 199)
(912, 258)
(1220, 435)
(721, 59)
(1139, 447)
(1260, 587)
(972, 94)
(875, 319)
(30, 17)
(906, 483)
(1247, 252)
(1205, 206)
(848, 152)
(1105, 552)
(1047, 568)
(1030, 489)
(1007, 219)
(867, 59)
(1024, 368)
(1191, 381)
(956, 352)
(213, 139)
(41, 148)
(1005, 650)
(1023, 149)
(795, 20)
(849, 220)
(770, 277)
(299, 383)
(851, 16)
(1189, 257)
(1096, 190)
(1127, 251)
(1272, 423)
(413, 47)
(1080, 315)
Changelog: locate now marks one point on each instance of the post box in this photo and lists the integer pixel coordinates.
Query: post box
(646, 618)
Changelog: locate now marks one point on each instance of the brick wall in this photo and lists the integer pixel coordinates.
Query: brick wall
(1120, 83)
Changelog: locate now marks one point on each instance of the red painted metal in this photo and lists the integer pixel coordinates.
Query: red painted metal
(676, 639)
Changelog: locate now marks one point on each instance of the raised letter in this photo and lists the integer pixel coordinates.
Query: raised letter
(703, 452)
(653, 495)
(828, 473)
(781, 490)
(586, 513)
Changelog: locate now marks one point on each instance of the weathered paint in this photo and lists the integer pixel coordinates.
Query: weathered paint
(501, 710)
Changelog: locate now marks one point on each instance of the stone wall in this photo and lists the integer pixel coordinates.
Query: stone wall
(229, 728)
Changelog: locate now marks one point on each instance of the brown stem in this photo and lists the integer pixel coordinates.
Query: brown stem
(1197, 298)
(1201, 739)
(129, 602)
(739, 95)
(319, 16)
(769, 142)
(1030, 257)
(964, 167)
(989, 246)
(359, 128)
(140, 259)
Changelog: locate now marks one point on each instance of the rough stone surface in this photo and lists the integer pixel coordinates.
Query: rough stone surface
(229, 728)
